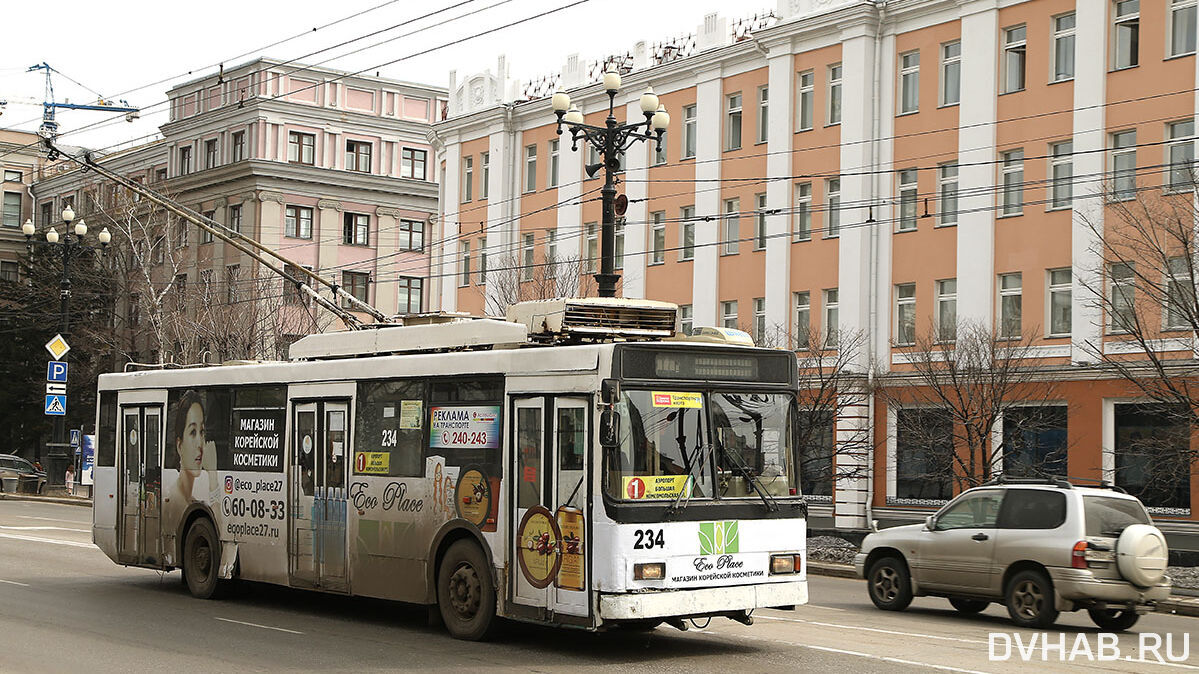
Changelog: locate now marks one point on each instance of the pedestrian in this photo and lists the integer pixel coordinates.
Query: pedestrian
(70, 480)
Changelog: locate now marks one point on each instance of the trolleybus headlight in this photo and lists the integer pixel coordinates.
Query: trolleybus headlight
(654, 571)
(790, 563)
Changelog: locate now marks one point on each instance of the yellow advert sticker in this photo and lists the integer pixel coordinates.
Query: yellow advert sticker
(372, 463)
(674, 399)
(643, 487)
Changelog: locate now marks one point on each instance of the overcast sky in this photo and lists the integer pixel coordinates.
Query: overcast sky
(120, 49)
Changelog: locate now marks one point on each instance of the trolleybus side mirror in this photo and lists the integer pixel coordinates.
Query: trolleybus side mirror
(609, 428)
(609, 391)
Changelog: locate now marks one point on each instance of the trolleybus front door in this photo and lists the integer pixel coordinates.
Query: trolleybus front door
(550, 469)
(320, 449)
(141, 485)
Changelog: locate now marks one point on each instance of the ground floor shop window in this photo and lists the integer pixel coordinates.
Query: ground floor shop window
(1034, 441)
(816, 454)
(1153, 454)
(924, 460)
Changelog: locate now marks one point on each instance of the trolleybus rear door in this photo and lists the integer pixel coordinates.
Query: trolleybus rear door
(141, 484)
(319, 451)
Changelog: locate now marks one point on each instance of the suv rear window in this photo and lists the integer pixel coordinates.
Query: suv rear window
(1032, 509)
(1108, 516)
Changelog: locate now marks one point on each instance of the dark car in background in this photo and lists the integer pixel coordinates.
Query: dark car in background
(19, 475)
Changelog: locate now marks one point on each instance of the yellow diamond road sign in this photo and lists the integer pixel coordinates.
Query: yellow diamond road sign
(58, 347)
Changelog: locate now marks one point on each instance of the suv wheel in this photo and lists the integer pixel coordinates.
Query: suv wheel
(889, 584)
(1114, 619)
(969, 605)
(1030, 599)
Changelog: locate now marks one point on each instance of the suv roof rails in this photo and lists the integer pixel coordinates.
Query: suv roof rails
(1100, 484)
(1004, 479)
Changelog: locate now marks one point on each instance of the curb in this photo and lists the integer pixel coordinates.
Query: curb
(87, 503)
(1175, 605)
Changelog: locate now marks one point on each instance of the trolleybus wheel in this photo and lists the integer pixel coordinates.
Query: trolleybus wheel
(202, 560)
(465, 593)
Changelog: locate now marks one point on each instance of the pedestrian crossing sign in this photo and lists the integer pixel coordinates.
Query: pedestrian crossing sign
(56, 405)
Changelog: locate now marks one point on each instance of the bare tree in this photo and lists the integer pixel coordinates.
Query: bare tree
(510, 282)
(949, 406)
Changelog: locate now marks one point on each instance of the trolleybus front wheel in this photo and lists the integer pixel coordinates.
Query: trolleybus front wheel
(465, 593)
(202, 560)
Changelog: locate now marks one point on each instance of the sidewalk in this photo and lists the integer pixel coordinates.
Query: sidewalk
(1177, 604)
(47, 498)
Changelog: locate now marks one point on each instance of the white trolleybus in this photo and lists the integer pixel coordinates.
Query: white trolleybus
(576, 465)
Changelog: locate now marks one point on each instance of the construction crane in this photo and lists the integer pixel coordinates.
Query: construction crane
(49, 127)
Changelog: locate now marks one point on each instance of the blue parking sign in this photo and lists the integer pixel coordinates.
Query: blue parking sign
(56, 371)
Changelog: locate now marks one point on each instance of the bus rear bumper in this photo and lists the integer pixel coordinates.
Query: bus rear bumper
(699, 602)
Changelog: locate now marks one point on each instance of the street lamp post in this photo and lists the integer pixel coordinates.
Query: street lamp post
(57, 451)
(611, 141)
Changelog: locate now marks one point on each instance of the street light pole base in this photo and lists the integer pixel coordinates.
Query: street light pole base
(607, 284)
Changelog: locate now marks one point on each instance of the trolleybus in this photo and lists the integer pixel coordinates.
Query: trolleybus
(576, 465)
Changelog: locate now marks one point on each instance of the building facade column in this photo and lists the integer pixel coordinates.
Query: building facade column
(387, 222)
(705, 281)
(780, 78)
(444, 247)
(327, 231)
(632, 281)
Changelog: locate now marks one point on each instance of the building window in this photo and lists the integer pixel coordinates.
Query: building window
(618, 244)
(803, 212)
(47, 213)
(10, 271)
(358, 156)
(924, 454)
(807, 100)
(909, 82)
(658, 237)
(816, 452)
(1124, 165)
(530, 168)
(12, 176)
(592, 247)
(759, 320)
(1014, 53)
(686, 319)
(832, 198)
(1010, 305)
(1153, 453)
(239, 145)
(689, 131)
(832, 327)
(553, 177)
(301, 148)
(482, 260)
(232, 278)
(210, 153)
(206, 286)
(660, 149)
(410, 292)
(1034, 441)
(1182, 27)
(206, 235)
(1061, 174)
(355, 283)
(356, 229)
(235, 218)
(185, 160)
(12, 209)
(1060, 299)
(485, 180)
(760, 222)
(413, 163)
(802, 324)
(947, 310)
(1126, 34)
(297, 222)
(528, 251)
(180, 291)
(464, 269)
(947, 193)
(686, 233)
(1180, 295)
(1063, 47)
(732, 127)
(951, 73)
(468, 178)
(908, 179)
(763, 114)
(551, 245)
(1181, 154)
(181, 233)
(412, 235)
(160, 175)
(1013, 182)
(732, 226)
(834, 94)
(1122, 297)
(905, 314)
(728, 314)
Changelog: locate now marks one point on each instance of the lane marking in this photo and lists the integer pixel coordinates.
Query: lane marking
(826, 608)
(265, 627)
(13, 582)
(52, 519)
(841, 651)
(871, 629)
(80, 531)
(37, 539)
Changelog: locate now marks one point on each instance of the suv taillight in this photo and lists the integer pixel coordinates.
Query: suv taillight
(1078, 556)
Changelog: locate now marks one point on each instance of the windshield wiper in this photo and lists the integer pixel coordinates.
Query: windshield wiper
(700, 452)
(759, 488)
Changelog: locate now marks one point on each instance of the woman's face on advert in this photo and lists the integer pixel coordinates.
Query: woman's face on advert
(191, 445)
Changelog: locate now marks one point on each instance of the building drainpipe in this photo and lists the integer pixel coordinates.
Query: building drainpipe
(881, 9)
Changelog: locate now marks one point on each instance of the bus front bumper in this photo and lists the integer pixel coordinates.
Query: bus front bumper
(699, 602)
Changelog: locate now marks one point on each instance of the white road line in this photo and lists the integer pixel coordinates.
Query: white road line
(823, 608)
(55, 541)
(13, 582)
(52, 519)
(1129, 658)
(80, 531)
(871, 656)
(265, 627)
(871, 629)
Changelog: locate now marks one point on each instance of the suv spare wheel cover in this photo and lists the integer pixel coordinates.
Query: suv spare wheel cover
(1142, 555)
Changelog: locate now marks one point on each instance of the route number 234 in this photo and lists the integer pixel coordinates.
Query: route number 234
(648, 539)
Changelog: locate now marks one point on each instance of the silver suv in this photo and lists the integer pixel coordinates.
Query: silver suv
(1038, 546)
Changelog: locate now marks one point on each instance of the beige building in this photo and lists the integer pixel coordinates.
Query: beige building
(19, 164)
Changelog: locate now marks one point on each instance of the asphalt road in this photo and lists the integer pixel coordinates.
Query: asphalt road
(64, 607)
